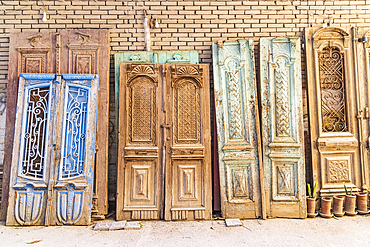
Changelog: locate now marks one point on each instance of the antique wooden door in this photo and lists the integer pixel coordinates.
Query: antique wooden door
(53, 154)
(238, 131)
(164, 164)
(87, 52)
(187, 143)
(28, 53)
(282, 127)
(333, 108)
(66, 52)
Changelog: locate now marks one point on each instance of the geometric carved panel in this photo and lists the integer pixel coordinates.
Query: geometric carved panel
(284, 180)
(140, 182)
(186, 182)
(238, 182)
(338, 170)
(84, 62)
(140, 189)
(187, 113)
(142, 110)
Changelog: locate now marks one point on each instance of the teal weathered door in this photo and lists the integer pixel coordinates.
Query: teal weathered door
(53, 154)
(282, 127)
(237, 129)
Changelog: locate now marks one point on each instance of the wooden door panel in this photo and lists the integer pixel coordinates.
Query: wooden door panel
(32, 156)
(28, 53)
(334, 106)
(188, 167)
(139, 168)
(75, 138)
(237, 129)
(87, 52)
(282, 127)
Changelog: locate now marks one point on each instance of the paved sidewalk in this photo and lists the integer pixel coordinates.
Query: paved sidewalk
(346, 231)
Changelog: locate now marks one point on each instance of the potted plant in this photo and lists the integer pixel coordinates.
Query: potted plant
(361, 201)
(326, 207)
(350, 202)
(338, 206)
(311, 201)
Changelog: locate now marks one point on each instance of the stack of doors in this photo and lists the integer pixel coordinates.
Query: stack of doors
(66, 52)
(260, 177)
(338, 75)
(164, 165)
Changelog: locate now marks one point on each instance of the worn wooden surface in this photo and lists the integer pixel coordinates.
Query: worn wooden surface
(363, 82)
(187, 139)
(54, 150)
(334, 110)
(282, 127)
(164, 148)
(238, 129)
(87, 52)
(28, 53)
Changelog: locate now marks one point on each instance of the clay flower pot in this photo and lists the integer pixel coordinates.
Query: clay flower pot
(325, 207)
(311, 207)
(350, 205)
(361, 201)
(338, 206)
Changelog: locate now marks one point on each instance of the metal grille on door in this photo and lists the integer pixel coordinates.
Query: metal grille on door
(54, 150)
(164, 142)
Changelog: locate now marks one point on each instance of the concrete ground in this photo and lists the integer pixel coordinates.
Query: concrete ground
(346, 231)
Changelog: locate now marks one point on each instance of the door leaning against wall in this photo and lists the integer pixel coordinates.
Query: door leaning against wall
(164, 165)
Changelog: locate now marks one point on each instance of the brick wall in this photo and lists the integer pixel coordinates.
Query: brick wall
(184, 25)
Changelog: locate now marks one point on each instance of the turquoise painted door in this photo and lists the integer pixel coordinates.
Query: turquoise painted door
(54, 149)
(282, 127)
(237, 129)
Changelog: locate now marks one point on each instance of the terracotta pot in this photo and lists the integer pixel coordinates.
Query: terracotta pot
(338, 205)
(326, 205)
(311, 206)
(350, 205)
(361, 201)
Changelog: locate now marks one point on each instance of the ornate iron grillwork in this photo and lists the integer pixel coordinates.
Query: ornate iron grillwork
(73, 161)
(333, 107)
(35, 133)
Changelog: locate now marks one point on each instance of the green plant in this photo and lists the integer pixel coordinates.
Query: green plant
(309, 190)
(345, 188)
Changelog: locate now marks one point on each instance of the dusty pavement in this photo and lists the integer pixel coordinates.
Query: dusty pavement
(346, 231)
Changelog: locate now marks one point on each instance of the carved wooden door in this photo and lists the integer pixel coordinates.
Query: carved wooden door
(164, 150)
(28, 53)
(333, 108)
(73, 52)
(282, 127)
(238, 129)
(51, 178)
(87, 52)
(187, 143)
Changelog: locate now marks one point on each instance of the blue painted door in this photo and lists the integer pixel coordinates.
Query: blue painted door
(53, 155)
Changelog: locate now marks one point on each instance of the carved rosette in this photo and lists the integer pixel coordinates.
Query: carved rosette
(338, 171)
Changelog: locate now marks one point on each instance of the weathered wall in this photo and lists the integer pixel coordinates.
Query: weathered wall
(184, 25)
